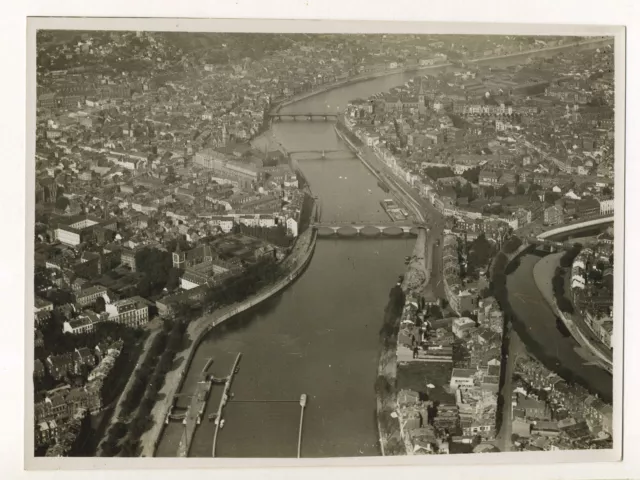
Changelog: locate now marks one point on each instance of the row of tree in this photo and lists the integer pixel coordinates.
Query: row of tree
(276, 235)
(233, 289)
(143, 395)
(557, 282)
(143, 374)
(512, 244)
(385, 387)
(479, 254)
(391, 322)
(570, 255)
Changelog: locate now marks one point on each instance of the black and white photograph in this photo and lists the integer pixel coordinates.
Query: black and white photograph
(292, 244)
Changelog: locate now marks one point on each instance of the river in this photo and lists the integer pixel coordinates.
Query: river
(320, 336)
(537, 327)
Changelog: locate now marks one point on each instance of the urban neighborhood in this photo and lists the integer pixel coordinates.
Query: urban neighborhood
(175, 189)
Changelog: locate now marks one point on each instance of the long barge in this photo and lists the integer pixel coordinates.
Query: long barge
(383, 186)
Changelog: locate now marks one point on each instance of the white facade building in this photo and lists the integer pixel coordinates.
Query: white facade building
(133, 312)
(606, 206)
(292, 227)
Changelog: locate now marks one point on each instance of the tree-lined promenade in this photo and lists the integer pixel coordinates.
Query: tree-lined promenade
(291, 267)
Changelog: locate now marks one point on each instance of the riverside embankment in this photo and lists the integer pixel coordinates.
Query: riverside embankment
(367, 158)
(543, 272)
(413, 284)
(536, 323)
(297, 261)
(320, 336)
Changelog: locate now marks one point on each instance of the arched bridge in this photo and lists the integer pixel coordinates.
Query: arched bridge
(311, 116)
(366, 229)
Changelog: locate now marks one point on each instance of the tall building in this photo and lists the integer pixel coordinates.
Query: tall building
(178, 257)
(553, 215)
(225, 135)
(422, 101)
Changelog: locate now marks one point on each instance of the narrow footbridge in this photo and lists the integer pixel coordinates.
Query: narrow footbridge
(366, 229)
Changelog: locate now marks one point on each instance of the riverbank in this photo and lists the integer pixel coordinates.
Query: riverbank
(392, 441)
(543, 271)
(367, 158)
(389, 431)
(297, 261)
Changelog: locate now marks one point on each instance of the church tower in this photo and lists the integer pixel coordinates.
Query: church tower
(178, 258)
(422, 101)
(225, 135)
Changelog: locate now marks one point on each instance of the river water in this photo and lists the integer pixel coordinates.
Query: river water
(537, 327)
(319, 336)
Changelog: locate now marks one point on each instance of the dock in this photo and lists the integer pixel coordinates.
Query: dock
(223, 401)
(191, 417)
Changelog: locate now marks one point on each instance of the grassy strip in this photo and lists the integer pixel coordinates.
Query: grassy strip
(143, 420)
(111, 445)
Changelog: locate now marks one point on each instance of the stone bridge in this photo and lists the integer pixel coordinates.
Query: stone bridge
(366, 229)
(311, 116)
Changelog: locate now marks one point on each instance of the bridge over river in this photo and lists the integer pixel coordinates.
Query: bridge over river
(549, 239)
(311, 116)
(366, 229)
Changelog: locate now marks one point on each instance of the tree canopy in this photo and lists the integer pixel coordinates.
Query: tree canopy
(472, 175)
(480, 252)
(155, 265)
(435, 173)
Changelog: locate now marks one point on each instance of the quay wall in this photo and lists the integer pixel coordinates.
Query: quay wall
(541, 275)
(405, 197)
(203, 326)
